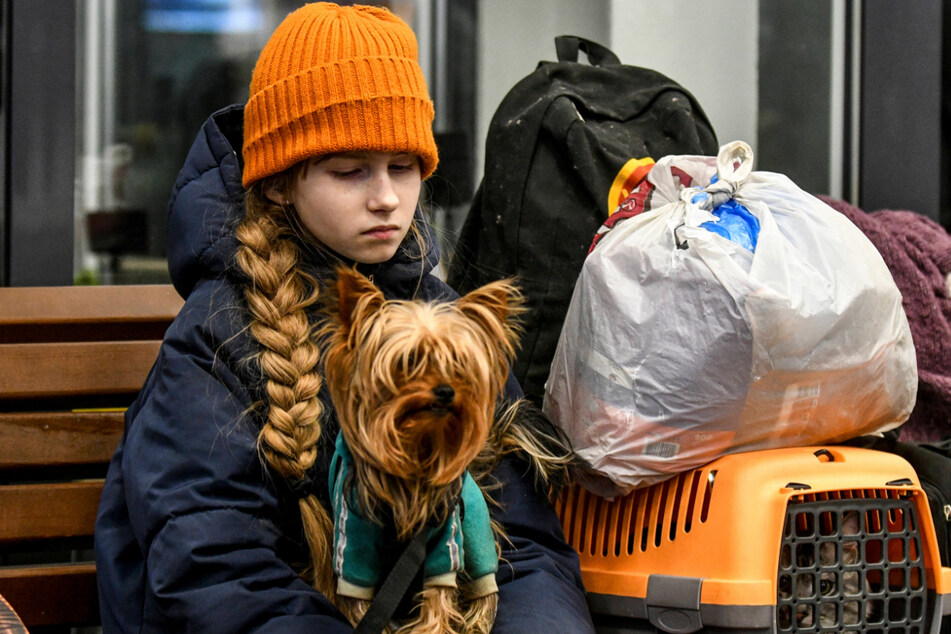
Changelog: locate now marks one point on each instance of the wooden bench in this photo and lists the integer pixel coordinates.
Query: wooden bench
(71, 360)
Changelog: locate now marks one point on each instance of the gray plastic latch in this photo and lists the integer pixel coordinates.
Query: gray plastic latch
(673, 603)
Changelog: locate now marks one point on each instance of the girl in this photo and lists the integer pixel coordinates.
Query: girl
(216, 499)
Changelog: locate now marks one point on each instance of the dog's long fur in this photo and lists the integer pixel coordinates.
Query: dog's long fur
(387, 363)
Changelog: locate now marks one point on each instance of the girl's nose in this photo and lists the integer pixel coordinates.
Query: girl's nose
(383, 196)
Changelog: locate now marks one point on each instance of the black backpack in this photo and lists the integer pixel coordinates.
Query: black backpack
(932, 464)
(555, 146)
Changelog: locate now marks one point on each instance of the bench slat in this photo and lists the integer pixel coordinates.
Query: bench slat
(44, 511)
(40, 439)
(63, 348)
(52, 595)
(74, 368)
(88, 304)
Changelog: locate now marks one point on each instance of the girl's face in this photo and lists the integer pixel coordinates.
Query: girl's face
(359, 204)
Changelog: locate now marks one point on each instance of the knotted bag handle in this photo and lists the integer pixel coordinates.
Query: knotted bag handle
(734, 166)
(567, 47)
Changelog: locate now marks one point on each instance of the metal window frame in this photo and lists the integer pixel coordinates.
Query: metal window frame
(39, 151)
(901, 158)
(900, 149)
(4, 128)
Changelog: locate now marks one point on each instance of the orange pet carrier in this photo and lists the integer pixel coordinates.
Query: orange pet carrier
(817, 539)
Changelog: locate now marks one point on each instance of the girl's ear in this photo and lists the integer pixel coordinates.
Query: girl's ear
(276, 196)
(356, 296)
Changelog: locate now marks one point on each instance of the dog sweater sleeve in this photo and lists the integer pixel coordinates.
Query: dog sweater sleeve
(444, 553)
(464, 542)
(356, 555)
(482, 560)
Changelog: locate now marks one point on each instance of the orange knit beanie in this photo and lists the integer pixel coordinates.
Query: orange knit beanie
(336, 79)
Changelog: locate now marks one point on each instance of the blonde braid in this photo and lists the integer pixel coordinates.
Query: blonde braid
(277, 296)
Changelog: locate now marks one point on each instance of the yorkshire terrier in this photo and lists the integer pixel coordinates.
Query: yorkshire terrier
(415, 387)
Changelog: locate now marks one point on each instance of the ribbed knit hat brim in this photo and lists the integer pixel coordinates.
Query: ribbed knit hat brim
(335, 79)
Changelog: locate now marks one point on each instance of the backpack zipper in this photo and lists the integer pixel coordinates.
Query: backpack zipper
(943, 534)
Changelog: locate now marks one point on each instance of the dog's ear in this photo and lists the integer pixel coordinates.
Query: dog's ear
(355, 295)
(496, 306)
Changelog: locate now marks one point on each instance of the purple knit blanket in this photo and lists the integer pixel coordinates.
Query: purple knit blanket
(917, 251)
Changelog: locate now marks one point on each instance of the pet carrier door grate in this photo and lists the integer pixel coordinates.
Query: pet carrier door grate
(851, 565)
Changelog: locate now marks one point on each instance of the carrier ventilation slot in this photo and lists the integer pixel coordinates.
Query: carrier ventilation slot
(851, 563)
(851, 494)
(644, 519)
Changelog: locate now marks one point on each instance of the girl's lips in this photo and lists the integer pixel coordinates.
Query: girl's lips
(382, 233)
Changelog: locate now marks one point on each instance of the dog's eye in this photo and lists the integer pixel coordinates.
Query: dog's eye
(410, 361)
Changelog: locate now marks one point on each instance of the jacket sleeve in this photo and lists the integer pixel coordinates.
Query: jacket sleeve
(206, 518)
(540, 587)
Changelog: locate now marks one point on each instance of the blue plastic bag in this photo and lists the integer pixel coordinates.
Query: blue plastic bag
(735, 222)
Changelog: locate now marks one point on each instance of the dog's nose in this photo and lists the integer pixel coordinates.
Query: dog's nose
(444, 394)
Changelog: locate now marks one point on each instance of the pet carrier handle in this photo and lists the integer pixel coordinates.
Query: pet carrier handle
(567, 47)
(394, 588)
(824, 453)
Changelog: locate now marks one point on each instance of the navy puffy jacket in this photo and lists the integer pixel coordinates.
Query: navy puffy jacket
(193, 534)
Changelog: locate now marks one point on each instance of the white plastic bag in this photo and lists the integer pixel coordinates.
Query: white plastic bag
(680, 345)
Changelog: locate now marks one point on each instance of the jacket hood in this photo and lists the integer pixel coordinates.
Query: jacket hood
(207, 202)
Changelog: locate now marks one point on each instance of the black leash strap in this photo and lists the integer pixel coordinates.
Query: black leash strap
(394, 588)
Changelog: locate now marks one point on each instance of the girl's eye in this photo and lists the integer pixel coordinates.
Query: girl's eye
(347, 173)
(402, 167)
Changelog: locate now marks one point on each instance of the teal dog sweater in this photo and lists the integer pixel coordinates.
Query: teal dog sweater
(464, 542)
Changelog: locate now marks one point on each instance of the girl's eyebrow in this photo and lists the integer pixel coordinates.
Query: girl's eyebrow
(352, 154)
(357, 154)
